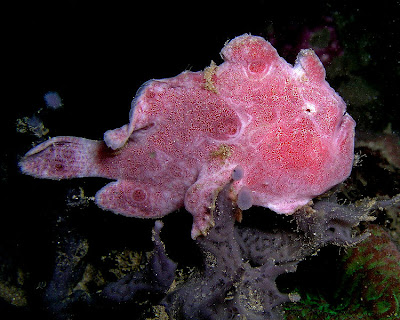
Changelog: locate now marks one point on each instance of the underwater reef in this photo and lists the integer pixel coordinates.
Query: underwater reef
(240, 268)
(242, 264)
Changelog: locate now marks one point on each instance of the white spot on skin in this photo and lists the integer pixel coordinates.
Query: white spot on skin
(309, 107)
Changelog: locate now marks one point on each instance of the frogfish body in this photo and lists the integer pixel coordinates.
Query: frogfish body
(280, 131)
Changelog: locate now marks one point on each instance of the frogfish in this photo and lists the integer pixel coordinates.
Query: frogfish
(279, 131)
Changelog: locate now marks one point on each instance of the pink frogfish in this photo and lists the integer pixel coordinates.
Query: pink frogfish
(280, 131)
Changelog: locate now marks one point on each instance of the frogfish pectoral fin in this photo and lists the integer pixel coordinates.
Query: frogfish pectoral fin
(138, 199)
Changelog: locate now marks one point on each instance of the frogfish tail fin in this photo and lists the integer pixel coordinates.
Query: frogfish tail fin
(61, 158)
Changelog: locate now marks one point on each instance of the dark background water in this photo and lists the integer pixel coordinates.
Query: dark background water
(97, 54)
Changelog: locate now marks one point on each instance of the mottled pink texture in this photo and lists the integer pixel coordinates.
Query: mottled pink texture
(283, 126)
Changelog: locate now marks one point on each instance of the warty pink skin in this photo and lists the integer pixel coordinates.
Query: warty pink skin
(282, 125)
